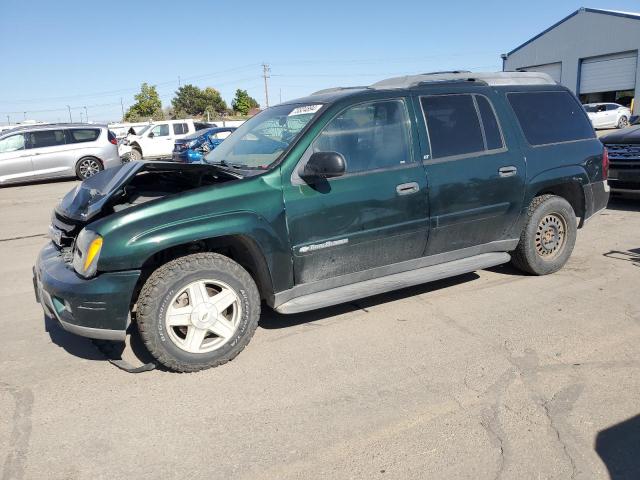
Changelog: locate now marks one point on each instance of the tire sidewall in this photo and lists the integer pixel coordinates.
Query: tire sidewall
(135, 154)
(557, 206)
(157, 331)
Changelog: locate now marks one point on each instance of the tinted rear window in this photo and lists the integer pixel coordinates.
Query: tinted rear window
(80, 135)
(454, 127)
(180, 128)
(550, 117)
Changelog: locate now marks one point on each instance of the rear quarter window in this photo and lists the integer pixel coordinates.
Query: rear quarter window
(81, 135)
(550, 117)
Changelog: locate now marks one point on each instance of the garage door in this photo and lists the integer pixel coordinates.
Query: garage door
(554, 70)
(608, 73)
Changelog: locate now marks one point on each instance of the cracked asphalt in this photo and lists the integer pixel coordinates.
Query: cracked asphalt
(490, 375)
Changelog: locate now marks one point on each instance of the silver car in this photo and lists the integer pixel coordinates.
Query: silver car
(39, 152)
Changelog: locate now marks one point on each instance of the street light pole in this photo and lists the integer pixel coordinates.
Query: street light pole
(86, 115)
(70, 119)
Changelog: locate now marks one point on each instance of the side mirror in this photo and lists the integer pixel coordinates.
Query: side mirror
(324, 165)
(634, 120)
(151, 135)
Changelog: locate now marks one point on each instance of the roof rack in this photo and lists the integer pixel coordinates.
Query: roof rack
(486, 78)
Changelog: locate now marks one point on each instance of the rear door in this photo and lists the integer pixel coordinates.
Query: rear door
(50, 154)
(15, 159)
(475, 175)
(374, 215)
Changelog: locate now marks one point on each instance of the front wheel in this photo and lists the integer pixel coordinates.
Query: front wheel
(198, 312)
(623, 122)
(135, 154)
(548, 237)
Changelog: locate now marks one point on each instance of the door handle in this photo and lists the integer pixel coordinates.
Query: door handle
(407, 188)
(509, 171)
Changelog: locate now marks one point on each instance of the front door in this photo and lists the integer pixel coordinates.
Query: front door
(475, 177)
(374, 215)
(159, 142)
(15, 160)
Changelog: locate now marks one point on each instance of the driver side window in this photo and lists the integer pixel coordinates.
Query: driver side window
(370, 136)
(12, 143)
(161, 130)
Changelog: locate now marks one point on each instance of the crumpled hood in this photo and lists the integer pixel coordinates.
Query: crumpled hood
(88, 199)
(626, 135)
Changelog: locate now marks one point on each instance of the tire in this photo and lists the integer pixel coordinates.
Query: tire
(548, 238)
(88, 167)
(623, 122)
(173, 288)
(135, 154)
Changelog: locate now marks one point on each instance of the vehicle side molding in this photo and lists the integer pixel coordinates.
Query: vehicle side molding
(367, 288)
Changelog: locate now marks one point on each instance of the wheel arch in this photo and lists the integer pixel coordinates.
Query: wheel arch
(240, 248)
(565, 182)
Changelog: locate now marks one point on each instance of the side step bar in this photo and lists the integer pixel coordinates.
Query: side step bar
(392, 282)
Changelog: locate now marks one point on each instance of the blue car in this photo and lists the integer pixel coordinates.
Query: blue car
(193, 148)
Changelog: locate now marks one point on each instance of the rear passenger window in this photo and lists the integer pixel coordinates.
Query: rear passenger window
(489, 123)
(370, 136)
(550, 117)
(453, 124)
(180, 128)
(46, 138)
(82, 135)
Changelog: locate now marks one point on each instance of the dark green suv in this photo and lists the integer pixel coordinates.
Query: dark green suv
(344, 194)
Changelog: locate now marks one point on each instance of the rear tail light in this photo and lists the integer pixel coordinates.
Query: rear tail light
(605, 164)
(112, 138)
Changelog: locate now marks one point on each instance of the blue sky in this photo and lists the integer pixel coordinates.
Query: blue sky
(88, 53)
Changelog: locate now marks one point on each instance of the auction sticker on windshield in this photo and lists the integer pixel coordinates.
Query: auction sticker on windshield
(304, 110)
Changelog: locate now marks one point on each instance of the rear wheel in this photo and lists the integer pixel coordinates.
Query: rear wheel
(198, 312)
(623, 122)
(548, 237)
(88, 167)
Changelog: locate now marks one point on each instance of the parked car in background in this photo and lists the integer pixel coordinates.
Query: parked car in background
(624, 158)
(192, 148)
(157, 139)
(56, 150)
(608, 115)
(344, 194)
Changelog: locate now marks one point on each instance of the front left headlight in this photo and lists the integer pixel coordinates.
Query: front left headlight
(86, 253)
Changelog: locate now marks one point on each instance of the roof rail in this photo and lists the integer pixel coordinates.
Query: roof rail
(337, 89)
(487, 78)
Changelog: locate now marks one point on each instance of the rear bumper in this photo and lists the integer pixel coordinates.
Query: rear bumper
(94, 308)
(596, 197)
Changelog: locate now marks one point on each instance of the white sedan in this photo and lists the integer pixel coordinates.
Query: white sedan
(608, 115)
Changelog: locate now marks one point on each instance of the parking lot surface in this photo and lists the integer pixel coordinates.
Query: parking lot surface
(487, 375)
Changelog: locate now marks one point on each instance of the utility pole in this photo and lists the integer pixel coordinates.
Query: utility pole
(70, 119)
(266, 70)
(280, 95)
(8, 120)
(80, 116)
(179, 84)
(208, 118)
(122, 108)
(86, 115)
(25, 115)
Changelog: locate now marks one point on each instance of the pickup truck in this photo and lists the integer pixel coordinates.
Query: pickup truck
(156, 140)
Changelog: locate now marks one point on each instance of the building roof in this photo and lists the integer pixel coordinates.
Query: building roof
(615, 13)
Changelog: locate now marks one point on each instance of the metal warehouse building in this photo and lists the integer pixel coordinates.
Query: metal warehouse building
(593, 52)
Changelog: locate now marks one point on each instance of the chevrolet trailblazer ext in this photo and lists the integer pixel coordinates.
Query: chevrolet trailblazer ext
(337, 196)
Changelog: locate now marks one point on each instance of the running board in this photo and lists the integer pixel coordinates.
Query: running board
(388, 283)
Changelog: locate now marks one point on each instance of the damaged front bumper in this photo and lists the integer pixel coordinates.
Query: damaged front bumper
(96, 308)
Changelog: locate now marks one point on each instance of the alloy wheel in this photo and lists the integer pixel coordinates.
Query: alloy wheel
(89, 167)
(203, 316)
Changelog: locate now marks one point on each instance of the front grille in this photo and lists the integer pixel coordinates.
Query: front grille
(68, 228)
(623, 152)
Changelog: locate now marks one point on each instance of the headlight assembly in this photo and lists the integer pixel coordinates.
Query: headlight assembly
(86, 253)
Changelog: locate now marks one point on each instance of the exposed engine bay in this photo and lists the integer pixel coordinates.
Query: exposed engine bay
(135, 183)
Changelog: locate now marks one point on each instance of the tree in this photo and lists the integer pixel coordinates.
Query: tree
(242, 102)
(148, 105)
(195, 101)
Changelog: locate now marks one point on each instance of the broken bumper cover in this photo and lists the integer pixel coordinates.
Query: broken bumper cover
(94, 308)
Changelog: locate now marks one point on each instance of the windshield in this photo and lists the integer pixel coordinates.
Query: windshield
(142, 130)
(260, 141)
